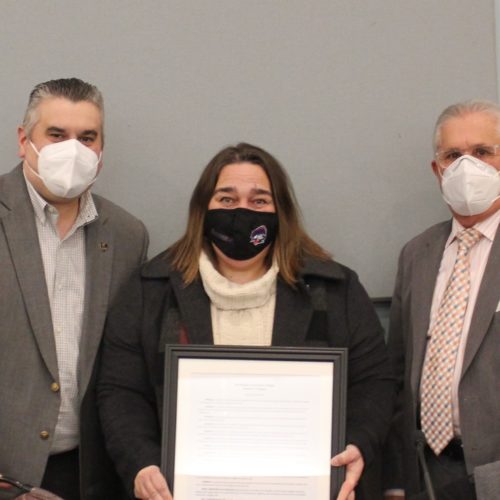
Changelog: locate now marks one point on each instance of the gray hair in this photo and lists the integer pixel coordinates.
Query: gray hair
(465, 108)
(73, 89)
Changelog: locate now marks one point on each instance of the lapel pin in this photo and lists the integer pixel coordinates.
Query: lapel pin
(103, 246)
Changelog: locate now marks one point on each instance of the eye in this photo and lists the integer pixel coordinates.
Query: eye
(482, 152)
(261, 202)
(57, 136)
(86, 140)
(226, 200)
(452, 155)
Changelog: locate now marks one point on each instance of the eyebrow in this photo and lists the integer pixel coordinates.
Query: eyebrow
(58, 130)
(91, 132)
(230, 189)
(55, 129)
(477, 145)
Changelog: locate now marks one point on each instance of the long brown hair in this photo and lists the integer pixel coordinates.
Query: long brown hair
(292, 243)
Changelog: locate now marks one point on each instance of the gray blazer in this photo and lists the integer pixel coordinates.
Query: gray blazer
(479, 387)
(116, 244)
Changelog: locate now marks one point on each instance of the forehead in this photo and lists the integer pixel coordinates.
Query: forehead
(240, 175)
(469, 129)
(68, 115)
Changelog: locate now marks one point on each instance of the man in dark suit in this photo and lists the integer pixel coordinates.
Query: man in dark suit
(64, 254)
(445, 324)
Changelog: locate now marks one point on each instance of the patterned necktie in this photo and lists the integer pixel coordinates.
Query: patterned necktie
(435, 404)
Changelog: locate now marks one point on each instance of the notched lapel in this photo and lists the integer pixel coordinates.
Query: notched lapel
(290, 329)
(99, 261)
(22, 239)
(486, 303)
(194, 306)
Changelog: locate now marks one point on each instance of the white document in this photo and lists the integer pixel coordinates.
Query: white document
(253, 429)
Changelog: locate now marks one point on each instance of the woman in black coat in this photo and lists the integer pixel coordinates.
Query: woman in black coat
(244, 259)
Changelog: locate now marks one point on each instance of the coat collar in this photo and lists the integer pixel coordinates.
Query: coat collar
(159, 267)
(288, 330)
(486, 303)
(325, 269)
(18, 220)
(13, 191)
(100, 253)
(194, 306)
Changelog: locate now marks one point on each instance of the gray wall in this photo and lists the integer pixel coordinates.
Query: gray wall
(343, 92)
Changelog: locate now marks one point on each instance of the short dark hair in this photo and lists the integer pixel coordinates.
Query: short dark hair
(73, 89)
(292, 243)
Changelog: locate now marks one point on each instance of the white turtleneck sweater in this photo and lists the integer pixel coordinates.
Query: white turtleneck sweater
(242, 314)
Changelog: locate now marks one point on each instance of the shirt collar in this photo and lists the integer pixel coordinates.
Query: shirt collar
(487, 227)
(86, 214)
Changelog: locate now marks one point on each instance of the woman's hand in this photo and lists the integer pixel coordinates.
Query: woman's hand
(150, 483)
(353, 460)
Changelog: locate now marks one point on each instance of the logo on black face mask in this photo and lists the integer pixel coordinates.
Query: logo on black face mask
(240, 233)
(258, 236)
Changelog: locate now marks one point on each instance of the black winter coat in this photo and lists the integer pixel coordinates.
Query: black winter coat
(329, 307)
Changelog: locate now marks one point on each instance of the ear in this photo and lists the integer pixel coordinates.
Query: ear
(436, 170)
(22, 141)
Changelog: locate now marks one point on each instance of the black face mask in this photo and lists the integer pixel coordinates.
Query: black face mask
(239, 233)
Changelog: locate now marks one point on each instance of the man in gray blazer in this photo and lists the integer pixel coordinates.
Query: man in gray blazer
(445, 324)
(64, 254)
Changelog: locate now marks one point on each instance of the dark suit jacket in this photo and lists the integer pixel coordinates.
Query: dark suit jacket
(156, 306)
(479, 403)
(116, 244)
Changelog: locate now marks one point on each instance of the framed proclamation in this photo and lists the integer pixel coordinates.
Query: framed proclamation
(248, 423)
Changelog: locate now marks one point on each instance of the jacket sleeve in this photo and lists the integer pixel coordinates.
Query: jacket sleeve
(371, 388)
(126, 396)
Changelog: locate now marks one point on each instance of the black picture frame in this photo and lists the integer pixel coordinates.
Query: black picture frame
(337, 357)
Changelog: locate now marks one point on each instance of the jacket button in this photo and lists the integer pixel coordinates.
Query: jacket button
(44, 435)
(54, 387)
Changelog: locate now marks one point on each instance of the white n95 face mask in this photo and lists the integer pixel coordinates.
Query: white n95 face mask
(470, 186)
(67, 168)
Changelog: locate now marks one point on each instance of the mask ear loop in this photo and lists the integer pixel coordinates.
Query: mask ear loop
(498, 197)
(441, 170)
(34, 148)
(28, 164)
(98, 170)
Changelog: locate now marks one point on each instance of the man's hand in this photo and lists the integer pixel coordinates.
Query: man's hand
(150, 483)
(353, 460)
